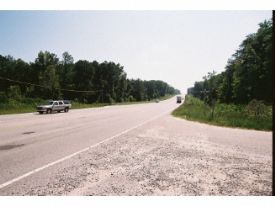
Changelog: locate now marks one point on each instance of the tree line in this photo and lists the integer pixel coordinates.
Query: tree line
(50, 78)
(247, 75)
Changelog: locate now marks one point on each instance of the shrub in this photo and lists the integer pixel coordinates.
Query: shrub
(3, 97)
(131, 98)
(257, 109)
(14, 92)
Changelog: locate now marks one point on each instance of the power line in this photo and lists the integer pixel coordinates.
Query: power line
(37, 85)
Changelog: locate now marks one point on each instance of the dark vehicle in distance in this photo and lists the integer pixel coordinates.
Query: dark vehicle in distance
(178, 99)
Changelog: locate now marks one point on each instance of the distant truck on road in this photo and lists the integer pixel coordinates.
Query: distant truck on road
(52, 106)
(178, 99)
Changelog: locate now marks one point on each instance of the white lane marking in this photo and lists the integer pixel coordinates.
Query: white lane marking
(76, 153)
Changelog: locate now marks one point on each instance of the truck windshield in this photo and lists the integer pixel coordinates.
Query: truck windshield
(49, 103)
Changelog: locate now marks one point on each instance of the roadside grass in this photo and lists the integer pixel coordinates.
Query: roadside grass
(15, 107)
(229, 115)
(26, 105)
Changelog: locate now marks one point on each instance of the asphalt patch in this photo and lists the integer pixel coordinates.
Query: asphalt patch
(28, 132)
(8, 147)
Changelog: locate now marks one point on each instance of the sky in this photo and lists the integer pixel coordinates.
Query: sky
(178, 47)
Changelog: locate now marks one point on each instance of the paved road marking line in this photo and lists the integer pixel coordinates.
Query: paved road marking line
(76, 153)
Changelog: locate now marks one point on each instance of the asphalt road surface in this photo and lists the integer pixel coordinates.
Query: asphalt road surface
(130, 150)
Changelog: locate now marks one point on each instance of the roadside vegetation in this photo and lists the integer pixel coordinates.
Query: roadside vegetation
(240, 96)
(254, 115)
(13, 106)
(87, 84)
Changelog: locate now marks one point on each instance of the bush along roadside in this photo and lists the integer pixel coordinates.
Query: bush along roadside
(254, 115)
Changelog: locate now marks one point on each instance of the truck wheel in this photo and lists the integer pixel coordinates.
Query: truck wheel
(49, 111)
(40, 112)
(66, 109)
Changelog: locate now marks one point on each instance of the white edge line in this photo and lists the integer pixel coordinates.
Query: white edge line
(76, 153)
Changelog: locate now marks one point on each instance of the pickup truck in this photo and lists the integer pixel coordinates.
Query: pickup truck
(52, 106)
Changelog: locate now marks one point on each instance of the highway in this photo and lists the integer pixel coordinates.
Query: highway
(35, 149)
(29, 141)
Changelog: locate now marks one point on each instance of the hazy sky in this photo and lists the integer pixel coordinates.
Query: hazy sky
(178, 47)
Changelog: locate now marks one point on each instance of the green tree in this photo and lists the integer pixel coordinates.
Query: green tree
(49, 79)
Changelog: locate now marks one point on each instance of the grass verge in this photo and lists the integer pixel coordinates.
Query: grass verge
(229, 115)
